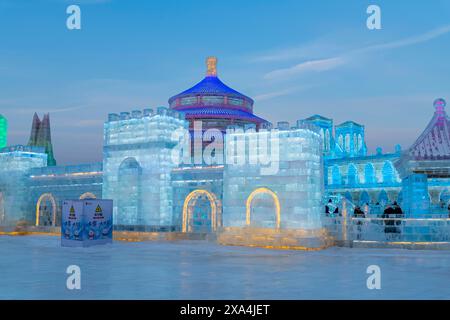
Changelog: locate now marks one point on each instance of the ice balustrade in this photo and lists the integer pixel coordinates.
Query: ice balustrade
(342, 224)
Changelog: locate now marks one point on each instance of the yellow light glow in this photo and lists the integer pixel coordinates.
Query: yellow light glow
(187, 210)
(344, 224)
(38, 204)
(275, 199)
(88, 195)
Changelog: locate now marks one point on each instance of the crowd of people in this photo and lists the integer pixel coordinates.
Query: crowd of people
(391, 214)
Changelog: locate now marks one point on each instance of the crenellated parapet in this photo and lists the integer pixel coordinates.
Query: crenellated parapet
(144, 126)
(22, 158)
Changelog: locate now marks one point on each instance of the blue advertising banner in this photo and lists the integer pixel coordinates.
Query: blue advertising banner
(86, 222)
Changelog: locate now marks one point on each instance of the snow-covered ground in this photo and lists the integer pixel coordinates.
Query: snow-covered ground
(34, 267)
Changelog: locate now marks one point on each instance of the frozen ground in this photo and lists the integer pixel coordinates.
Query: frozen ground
(33, 267)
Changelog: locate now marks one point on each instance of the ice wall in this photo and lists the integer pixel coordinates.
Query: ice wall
(187, 179)
(15, 162)
(63, 183)
(137, 160)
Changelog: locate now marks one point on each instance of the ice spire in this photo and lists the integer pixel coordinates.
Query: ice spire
(40, 136)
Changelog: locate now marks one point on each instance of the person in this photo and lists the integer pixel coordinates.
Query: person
(358, 213)
(366, 209)
(448, 208)
(389, 215)
(327, 208)
(336, 212)
(397, 209)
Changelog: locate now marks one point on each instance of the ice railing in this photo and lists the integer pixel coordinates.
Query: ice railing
(395, 228)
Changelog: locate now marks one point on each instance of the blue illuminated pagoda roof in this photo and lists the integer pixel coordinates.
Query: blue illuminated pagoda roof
(210, 85)
(221, 113)
(434, 142)
(211, 99)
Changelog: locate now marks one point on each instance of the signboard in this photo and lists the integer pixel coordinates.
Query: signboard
(86, 222)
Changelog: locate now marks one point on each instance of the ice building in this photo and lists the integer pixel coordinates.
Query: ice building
(352, 173)
(272, 181)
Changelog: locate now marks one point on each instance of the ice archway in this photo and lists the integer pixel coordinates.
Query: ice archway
(275, 199)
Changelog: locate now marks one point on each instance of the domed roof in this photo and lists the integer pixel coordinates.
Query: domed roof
(213, 102)
(434, 142)
(211, 86)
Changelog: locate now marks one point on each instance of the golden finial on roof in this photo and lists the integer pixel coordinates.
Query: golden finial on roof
(211, 64)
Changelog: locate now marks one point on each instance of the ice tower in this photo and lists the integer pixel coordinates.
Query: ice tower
(350, 139)
(276, 202)
(137, 163)
(40, 136)
(326, 131)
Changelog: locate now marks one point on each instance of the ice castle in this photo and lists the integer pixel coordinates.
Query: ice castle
(260, 185)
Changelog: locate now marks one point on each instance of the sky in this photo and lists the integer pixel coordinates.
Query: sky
(295, 58)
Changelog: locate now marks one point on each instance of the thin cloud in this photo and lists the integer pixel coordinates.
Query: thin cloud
(89, 123)
(312, 65)
(319, 65)
(435, 33)
(275, 94)
(281, 93)
(26, 110)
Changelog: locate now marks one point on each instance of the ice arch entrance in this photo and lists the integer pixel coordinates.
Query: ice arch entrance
(205, 220)
(88, 195)
(276, 201)
(46, 210)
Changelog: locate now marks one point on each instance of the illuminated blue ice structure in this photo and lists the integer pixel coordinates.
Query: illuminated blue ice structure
(274, 200)
(417, 179)
(15, 163)
(137, 162)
